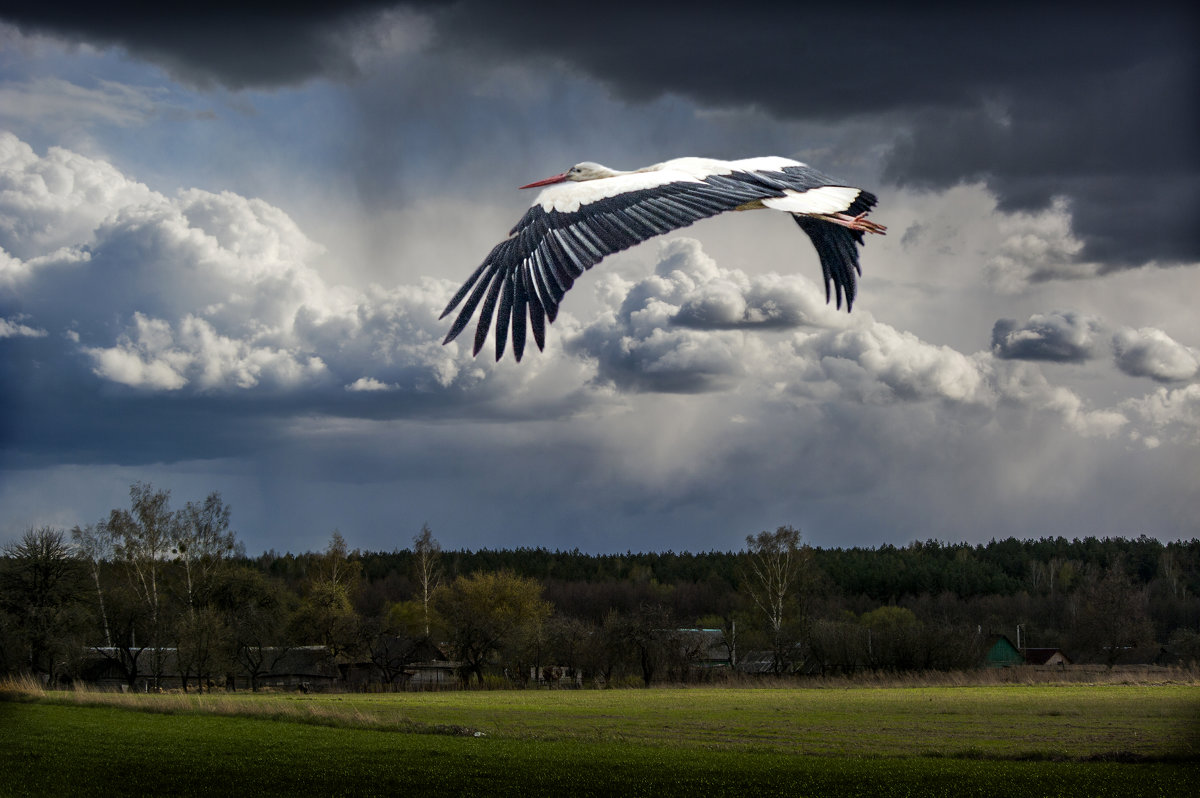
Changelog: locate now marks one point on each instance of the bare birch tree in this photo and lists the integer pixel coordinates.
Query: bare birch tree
(336, 565)
(202, 541)
(141, 538)
(776, 564)
(428, 566)
(95, 547)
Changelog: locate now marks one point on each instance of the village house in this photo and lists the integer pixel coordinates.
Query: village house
(999, 652)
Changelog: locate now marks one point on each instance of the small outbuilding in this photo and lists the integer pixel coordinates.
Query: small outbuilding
(303, 668)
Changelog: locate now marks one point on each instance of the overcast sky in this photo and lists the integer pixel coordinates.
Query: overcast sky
(226, 236)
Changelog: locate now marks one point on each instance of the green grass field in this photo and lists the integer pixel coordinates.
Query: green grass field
(1062, 740)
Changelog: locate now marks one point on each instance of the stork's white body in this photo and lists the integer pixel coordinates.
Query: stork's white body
(591, 211)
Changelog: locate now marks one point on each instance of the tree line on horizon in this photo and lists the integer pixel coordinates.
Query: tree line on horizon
(150, 579)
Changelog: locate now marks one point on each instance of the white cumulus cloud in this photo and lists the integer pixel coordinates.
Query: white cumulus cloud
(13, 328)
(216, 292)
(57, 200)
(879, 364)
(368, 384)
(691, 326)
(1149, 352)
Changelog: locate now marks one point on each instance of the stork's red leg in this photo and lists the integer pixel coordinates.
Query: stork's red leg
(860, 222)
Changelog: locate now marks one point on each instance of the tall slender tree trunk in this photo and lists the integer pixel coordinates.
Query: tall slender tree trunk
(100, 598)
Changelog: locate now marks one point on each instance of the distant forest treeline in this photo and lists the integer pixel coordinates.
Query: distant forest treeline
(999, 584)
(150, 579)
(883, 574)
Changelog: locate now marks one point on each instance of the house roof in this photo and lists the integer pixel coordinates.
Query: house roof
(1001, 652)
(305, 661)
(1040, 656)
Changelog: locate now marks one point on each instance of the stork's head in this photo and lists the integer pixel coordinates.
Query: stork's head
(585, 170)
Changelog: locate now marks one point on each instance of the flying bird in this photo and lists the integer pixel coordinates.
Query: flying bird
(590, 211)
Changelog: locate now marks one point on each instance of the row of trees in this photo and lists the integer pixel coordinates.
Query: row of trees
(151, 590)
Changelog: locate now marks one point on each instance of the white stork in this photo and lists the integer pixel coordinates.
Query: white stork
(590, 211)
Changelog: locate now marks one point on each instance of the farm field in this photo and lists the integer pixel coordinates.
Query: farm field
(1038, 740)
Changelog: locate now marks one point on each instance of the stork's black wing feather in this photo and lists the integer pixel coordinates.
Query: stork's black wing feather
(837, 248)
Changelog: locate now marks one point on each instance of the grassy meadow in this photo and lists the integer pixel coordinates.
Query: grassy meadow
(1030, 739)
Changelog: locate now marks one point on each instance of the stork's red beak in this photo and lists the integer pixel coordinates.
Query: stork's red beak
(548, 181)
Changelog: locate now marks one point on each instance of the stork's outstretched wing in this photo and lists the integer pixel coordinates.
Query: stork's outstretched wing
(573, 226)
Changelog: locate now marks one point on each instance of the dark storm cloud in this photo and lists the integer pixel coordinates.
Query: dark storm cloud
(235, 44)
(59, 414)
(824, 60)
(1060, 337)
(1120, 144)
(1093, 102)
